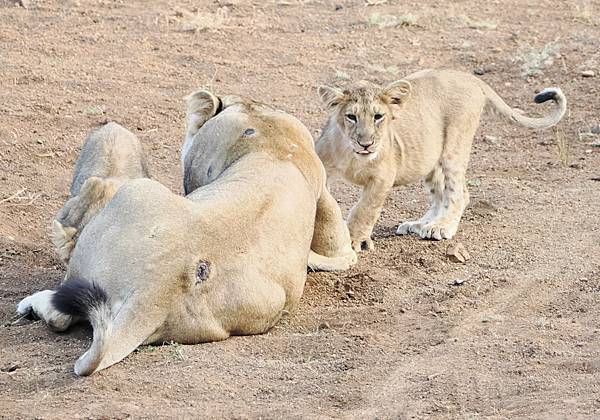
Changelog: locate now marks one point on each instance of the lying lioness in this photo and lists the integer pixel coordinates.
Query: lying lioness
(230, 258)
(421, 127)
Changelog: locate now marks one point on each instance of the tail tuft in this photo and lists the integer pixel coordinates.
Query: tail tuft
(79, 297)
(546, 95)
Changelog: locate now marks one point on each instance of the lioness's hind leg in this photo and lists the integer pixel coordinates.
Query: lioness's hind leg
(40, 305)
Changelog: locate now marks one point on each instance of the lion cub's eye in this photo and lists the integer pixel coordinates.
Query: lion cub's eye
(378, 117)
(352, 118)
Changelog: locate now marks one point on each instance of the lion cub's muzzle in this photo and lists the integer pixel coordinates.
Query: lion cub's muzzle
(364, 147)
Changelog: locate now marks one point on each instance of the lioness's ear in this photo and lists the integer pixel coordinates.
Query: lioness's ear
(330, 96)
(201, 106)
(396, 92)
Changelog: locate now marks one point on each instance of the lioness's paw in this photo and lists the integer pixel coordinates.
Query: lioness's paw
(39, 306)
(25, 307)
(362, 244)
(351, 257)
(317, 262)
(437, 231)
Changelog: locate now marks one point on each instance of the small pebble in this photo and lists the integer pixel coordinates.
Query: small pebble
(480, 71)
(10, 368)
(490, 139)
(324, 326)
(457, 253)
(588, 73)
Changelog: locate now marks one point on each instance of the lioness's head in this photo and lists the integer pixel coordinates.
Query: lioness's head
(363, 111)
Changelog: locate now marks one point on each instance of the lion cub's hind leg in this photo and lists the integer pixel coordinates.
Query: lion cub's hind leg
(455, 196)
(434, 184)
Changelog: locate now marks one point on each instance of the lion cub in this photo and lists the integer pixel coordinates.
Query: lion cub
(419, 128)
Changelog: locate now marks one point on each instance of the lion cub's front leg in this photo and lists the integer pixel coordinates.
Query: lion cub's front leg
(365, 213)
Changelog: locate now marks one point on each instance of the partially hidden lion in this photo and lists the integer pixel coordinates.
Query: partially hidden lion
(110, 156)
(418, 128)
(230, 258)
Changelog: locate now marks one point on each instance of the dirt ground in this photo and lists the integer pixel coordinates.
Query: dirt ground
(394, 337)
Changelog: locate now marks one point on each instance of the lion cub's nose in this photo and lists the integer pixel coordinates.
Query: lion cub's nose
(366, 144)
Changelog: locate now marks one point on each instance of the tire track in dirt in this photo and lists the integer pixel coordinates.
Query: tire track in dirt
(463, 377)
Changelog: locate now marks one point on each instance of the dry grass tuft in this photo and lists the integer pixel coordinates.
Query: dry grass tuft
(341, 76)
(391, 21)
(584, 11)
(564, 154)
(466, 21)
(176, 352)
(204, 21)
(534, 61)
(380, 68)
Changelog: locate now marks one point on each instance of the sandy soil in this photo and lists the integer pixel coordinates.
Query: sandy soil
(394, 337)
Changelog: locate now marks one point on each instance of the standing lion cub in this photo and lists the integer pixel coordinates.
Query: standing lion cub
(418, 128)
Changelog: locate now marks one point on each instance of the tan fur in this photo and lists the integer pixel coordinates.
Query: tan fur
(110, 156)
(228, 259)
(289, 140)
(420, 128)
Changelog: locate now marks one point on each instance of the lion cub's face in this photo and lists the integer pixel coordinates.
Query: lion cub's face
(363, 112)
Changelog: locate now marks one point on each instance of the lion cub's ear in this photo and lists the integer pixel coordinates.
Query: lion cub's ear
(330, 96)
(201, 106)
(396, 92)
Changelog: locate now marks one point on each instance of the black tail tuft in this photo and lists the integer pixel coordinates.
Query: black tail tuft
(545, 95)
(76, 297)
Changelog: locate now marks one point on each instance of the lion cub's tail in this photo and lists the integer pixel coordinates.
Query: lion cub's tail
(515, 115)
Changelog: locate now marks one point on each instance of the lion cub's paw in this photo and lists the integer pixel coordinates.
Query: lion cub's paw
(362, 243)
(437, 231)
(413, 226)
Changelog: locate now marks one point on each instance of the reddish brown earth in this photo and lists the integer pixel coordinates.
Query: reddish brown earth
(392, 337)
